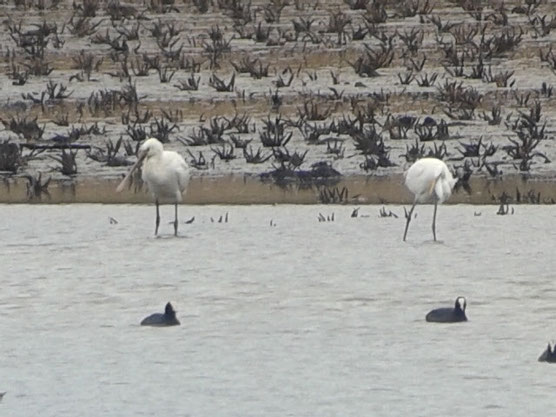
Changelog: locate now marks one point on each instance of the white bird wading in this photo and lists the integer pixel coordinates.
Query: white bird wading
(166, 174)
(430, 180)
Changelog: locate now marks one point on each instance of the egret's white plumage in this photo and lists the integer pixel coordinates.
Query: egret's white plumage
(430, 180)
(166, 174)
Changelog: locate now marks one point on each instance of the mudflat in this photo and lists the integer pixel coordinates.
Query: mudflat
(277, 101)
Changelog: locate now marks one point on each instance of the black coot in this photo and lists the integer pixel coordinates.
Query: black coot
(449, 315)
(549, 355)
(166, 319)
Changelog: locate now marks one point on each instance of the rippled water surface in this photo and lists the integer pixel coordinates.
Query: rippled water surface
(303, 318)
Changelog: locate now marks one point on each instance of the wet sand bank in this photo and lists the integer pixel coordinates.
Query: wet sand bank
(247, 189)
(473, 87)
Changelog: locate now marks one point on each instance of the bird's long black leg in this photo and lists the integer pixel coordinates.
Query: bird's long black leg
(157, 218)
(176, 220)
(434, 219)
(408, 217)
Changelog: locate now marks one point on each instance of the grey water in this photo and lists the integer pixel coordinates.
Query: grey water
(282, 315)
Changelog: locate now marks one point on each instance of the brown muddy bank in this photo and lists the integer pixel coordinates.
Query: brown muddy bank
(247, 189)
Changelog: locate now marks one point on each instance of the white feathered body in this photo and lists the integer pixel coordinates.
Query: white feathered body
(429, 177)
(165, 172)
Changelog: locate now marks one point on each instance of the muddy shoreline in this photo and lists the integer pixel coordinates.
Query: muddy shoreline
(244, 89)
(249, 189)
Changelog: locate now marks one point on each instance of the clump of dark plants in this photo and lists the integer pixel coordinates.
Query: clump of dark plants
(333, 195)
(274, 133)
(36, 187)
(29, 129)
(10, 157)
(110, 155)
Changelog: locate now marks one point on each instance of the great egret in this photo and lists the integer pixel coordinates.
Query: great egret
(430, 180)
(166, 319)
(166, 174)
(449, 315)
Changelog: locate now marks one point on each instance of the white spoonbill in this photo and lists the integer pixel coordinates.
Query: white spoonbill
(166, 174)
(430, 180)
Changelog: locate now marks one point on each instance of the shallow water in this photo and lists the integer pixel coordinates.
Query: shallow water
(303, 318)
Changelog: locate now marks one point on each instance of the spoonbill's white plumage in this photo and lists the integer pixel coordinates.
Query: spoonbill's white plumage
(166, 174)
(430, 180)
